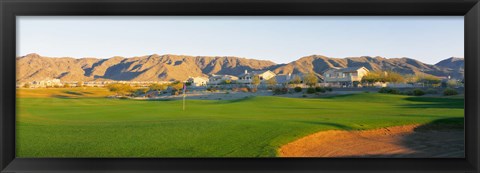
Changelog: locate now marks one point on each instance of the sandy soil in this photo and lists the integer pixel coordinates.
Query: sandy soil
(400, 141)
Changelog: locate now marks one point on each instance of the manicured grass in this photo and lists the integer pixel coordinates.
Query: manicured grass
(79, 92)
(252, 127)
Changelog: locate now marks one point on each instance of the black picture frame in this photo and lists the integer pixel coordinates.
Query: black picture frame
(9, 9)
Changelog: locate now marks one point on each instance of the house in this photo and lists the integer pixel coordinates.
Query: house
(47, 83)
(219, 79)
(198, 81)
(283, 78)
(344, 76)
(247, 77)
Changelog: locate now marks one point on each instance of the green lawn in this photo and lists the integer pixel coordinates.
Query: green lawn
(252, 127)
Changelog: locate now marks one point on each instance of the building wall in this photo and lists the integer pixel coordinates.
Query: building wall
(334, 76)
(199, 81)
(267, 75)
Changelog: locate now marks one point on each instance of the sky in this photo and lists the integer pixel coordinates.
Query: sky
(281, 39)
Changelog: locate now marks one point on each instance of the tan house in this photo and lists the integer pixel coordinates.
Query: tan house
(344, 76)
(198, 81)
(247, 77)
(219, 79)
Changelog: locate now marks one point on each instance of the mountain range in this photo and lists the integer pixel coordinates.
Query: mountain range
(155, 67)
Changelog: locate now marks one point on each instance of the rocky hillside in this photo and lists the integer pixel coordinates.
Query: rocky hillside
(318, 64)
(145, 68)
(178, 67)
(453, 65)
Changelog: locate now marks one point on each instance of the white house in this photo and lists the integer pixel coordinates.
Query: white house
(198, 81)
(47, 83)
(248, 76)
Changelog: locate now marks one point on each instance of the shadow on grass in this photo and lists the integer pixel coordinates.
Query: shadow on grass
(63, 96)
(336, 125)
(157, 100)
(73, 93)
(246, 98)
(435, 102)
(443, 124)
(339, 96)
(443, 138)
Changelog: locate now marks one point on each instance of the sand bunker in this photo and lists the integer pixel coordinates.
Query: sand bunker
(400, 141)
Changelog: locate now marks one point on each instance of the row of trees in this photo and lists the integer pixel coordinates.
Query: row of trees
(394, 77)
(382, 76)
(121, 89)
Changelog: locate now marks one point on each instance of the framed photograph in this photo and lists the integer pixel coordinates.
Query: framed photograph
(239, 86)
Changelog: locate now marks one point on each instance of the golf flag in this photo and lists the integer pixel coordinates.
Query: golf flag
(184, 88)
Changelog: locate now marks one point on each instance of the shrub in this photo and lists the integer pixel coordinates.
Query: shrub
(418, 92)
(278, 91)
(384, 90)
(212, 89)
(450, 92)
(304, 95)
(297, 89)
(310, 90)
(320, 89)
(252, 90)
(175, 92)
(431, 91)
(329, 89)
(389, 90)
(408, 92)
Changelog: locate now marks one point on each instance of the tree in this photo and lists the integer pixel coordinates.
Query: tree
(371, 77)
(296, 80)
(157, 87)
(452, 83)
(120, 89)
(177, 86)
(272, 82)
(256, 81)
(144, 91)
(382, 76)
(310, 79)
(66, 85)
(393, 77)
(27, 85)
(80, 84)
(411, 79)
(429, 80)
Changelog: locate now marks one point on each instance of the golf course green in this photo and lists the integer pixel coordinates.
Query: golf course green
(77, 124)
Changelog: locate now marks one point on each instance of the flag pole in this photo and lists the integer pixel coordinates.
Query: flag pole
(184, 88)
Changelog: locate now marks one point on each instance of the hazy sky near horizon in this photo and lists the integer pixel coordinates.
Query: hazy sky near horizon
(279, 39)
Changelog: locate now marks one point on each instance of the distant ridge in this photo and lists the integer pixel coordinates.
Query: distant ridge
(179, 67)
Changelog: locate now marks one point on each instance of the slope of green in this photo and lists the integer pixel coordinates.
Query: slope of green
(63, 92)
(252, 127)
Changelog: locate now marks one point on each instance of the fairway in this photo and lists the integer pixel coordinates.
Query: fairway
(82, 124)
